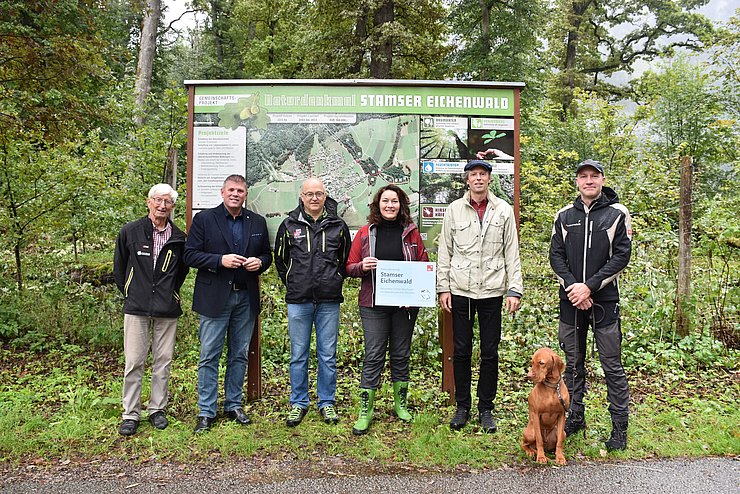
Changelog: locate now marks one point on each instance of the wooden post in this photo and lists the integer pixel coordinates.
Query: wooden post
(683, 289)
(254, 364)
(445, 340)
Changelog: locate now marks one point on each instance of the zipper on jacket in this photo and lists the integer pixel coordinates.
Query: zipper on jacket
(323, 241)
(167, 259)
(128, 282)
(590, 233)
(586, 243)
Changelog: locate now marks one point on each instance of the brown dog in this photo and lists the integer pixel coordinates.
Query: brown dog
(548, 403)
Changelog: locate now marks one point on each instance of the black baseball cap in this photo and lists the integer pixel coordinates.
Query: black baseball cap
(596, 165)
(473, 163)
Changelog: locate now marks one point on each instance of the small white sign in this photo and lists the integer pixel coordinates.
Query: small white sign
(217, 153)
(313, 118)
(441, 166)
(406, 283)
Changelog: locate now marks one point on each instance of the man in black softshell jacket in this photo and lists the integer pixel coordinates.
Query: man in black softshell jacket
(590, 246)
(149, 270)
(311, 250)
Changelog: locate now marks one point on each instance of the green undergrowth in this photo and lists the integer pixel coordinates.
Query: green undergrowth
(61, 365)
(52, 409)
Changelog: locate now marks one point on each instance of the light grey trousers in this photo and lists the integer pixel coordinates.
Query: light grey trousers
(138, 331)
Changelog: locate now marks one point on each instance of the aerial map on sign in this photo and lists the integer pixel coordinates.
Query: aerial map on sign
(353, 159)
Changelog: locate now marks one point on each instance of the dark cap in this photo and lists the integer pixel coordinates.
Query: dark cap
(592, 163)
(473, 163)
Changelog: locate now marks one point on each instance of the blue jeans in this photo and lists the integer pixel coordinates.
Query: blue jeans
(301, 319)
(235, 324)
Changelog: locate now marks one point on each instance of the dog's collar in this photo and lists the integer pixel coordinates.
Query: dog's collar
(556, 387)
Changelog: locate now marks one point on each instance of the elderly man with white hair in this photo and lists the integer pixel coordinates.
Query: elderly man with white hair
(149, 270)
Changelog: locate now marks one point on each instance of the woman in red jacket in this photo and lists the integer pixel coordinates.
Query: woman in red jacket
(389, 235)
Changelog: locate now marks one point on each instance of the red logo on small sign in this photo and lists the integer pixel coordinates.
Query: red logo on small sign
(430, 267)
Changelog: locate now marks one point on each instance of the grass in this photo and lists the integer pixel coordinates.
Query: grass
(55, 408)
(61, 367)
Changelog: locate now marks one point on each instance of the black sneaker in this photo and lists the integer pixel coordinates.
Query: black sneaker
(460, 419)
(295, 416)
(575, 422)
(487, 422)
(128, 427)
(618, 439)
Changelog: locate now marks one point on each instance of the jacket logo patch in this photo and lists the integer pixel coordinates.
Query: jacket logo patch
(298, 233)
(574, 224)
(140, 253)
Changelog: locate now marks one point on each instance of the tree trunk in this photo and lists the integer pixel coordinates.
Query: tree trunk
(147, 50)
(18, 265)
(170, 171)
(381, 57)
(683, 290)
(485, 29)
(360, 38)
(575, 19)
(218, 39)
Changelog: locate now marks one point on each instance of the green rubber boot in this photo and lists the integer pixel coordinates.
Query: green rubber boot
(367, 400)
(400, 391)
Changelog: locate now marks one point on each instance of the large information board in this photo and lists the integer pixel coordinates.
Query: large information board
(355, 135)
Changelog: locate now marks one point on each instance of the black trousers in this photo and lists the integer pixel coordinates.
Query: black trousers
(607, 331)
(489, 321)
(386, 330)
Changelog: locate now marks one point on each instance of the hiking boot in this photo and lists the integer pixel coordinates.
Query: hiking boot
(487, 422)
(295, 416)
(400, 405)
(575, 422)
(329, 414)
(460, 419)
(618, 439)
(365, 415)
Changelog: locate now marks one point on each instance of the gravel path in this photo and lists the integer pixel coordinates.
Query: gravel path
(685, 476)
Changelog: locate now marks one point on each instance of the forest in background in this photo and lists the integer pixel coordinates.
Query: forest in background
(93, 112)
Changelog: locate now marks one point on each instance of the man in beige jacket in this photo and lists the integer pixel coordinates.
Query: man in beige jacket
(478, 269)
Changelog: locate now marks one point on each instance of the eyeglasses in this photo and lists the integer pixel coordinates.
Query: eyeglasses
(311, 195)
(158, 201)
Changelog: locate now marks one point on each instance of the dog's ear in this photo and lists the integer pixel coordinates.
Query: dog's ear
(559, 364)
(553, 365)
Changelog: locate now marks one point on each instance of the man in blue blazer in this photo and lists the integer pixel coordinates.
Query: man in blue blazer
(229, 246)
